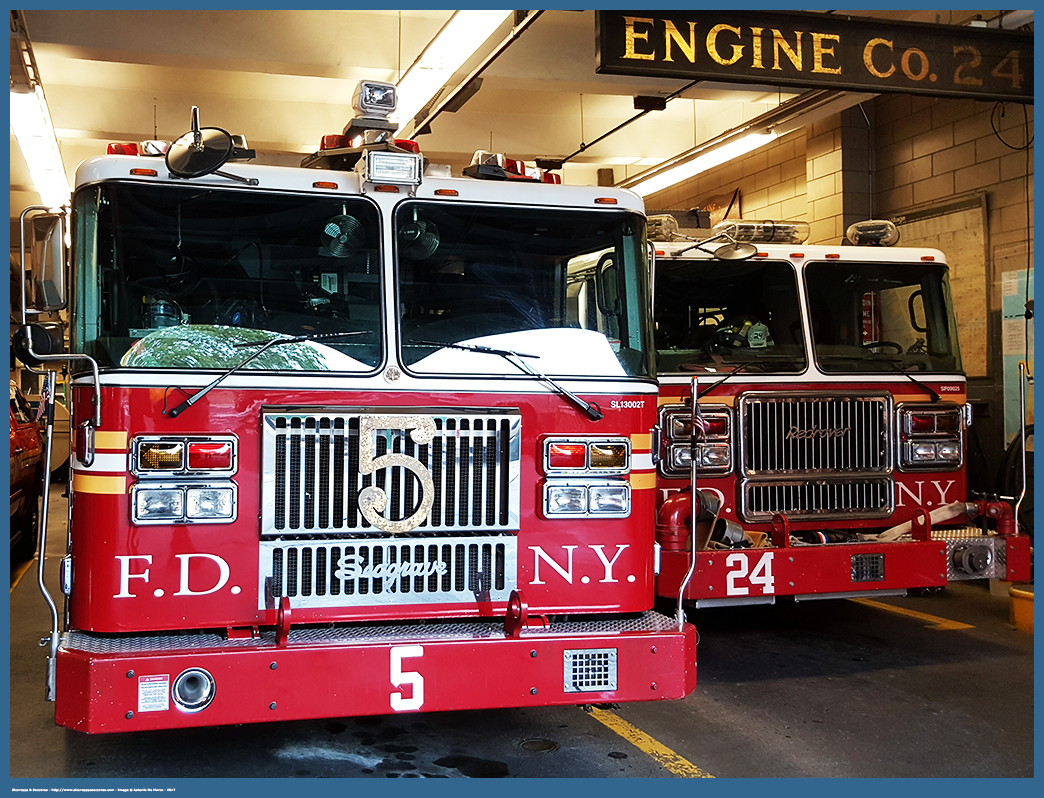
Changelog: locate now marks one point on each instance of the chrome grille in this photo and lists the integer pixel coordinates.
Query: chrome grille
(815, 434)
(822, 499)
(369, 572)
(312, 483)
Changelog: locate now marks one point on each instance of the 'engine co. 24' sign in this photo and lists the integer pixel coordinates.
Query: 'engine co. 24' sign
(818, 51)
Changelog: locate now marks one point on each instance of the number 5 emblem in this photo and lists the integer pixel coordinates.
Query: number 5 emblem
(373, 500)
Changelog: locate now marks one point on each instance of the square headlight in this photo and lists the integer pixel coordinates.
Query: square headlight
(173, 503)
(610, 499)
(210, 502)
(566, 500)
(159, 504)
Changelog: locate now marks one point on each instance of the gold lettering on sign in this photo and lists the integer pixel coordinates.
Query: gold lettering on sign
(631, 35)
(755, 49)
(793, 53)
(907, 55)
(372, 499)
(868, 58)
(712, 45)
(688, 46)
(819, 49)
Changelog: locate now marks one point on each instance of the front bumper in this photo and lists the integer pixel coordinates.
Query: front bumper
(841, 570)
(118, 684)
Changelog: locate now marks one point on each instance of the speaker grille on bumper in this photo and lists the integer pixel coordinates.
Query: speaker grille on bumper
(868, 568)
(589, 670)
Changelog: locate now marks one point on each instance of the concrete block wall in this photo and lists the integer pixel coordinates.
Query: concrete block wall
(929, 150)
(825, 180)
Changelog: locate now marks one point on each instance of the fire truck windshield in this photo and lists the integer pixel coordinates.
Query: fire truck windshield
(715, 315)
(178, 276)
(567, 287)
(882, 317)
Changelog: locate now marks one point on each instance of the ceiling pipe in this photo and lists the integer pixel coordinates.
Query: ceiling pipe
(786, 117)
(556, 163)
(1011, 20)
(464, 90)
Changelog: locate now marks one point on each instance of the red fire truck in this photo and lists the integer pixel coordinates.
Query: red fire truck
(831, 419)
(353, 438)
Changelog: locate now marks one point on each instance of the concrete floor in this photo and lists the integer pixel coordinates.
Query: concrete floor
(816, 689)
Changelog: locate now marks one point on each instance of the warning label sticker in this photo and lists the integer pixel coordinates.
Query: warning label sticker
(154, 693)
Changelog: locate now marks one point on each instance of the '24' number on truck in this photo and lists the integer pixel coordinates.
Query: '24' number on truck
(739, 569)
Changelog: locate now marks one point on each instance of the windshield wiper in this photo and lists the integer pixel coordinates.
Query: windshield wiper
(264, 345)
(935, 397)
(590, 408)
(742, 366)
(930, 391)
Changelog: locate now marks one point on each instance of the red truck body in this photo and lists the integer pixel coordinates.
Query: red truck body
(361, 439)
(834, 416)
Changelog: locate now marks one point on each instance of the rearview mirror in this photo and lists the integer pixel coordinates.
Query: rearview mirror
(46, 262)
(606, 290)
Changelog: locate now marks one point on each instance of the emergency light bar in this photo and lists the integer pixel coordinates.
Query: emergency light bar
(873, 233)
(764, 232)
(494, 166)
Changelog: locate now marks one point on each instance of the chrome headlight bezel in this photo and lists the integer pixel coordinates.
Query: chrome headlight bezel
(180, 497)
(931, 437)
(675, 447)
(586, 498)
(182, 444)
(620, 443)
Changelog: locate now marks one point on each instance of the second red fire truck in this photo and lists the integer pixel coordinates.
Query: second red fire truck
(831, 418)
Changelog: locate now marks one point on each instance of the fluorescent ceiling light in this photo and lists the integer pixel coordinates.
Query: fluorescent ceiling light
(451, 48)
(701, 163)
(31, 124)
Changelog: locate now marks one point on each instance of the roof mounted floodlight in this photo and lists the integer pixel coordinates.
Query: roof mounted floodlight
(373, 101)
(374, 98)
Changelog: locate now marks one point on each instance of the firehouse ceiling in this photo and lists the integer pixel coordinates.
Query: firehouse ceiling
(283, 79)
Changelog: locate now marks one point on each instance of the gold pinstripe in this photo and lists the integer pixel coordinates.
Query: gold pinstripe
(89, 483)
(642, 480)
(110, 439)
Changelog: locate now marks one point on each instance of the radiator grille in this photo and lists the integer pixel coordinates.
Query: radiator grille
(353, 572)
(820, 499)
(589, 670)
(312, 481)
(800, 434)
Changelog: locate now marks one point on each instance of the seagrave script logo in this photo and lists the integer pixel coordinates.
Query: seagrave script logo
(796, 433)
(350, 566)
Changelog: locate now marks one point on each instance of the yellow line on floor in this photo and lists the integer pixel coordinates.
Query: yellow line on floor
(675, 763)
(934, 622)
(20, 573)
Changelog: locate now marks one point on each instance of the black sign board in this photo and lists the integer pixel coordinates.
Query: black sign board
(818, 51)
